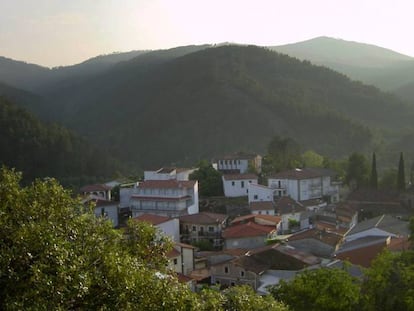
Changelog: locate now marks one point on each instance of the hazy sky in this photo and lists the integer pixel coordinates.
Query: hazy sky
(63, 32)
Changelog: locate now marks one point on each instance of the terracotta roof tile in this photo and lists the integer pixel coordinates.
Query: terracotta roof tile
(203, 218)
(262, 205)
(250, 229)
(96, 187)
(152, 219)
(286, 205)
(256, 218)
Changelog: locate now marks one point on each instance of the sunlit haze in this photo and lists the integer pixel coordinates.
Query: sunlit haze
(62, 32)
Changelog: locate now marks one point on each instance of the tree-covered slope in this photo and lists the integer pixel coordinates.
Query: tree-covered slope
(42, 150)
(225, 99)
(371, 64)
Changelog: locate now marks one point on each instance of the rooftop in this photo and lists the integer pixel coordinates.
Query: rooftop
(259, 219)
(304, 173)
(203, 218)
(286, 205)
(262, 206)
(166, 184)
(240, 177)
(95, 187)
(249, 229)
(152, 219)
(385, 223)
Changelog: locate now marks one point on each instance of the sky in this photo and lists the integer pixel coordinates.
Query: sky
(64, 32)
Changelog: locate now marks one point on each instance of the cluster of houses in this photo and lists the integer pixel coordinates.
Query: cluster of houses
(295, 222)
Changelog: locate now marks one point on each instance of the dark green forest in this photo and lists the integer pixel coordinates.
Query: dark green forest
(49, 150)
(179, 106)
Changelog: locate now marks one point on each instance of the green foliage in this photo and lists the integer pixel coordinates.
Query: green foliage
(401, 174)
(373, 181)
(388, 179)
(321, 289)
(389, 283)
(54, 256)
(282, 153)
(238, 298)
(209, 179)
(311, 158)
(357, 170)
(42, 150)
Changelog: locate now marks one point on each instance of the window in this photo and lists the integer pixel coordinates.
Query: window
(233, 284)
(232, 183)
(242, 273)
(175, 261)
(242, 183)
(255, 197)
(194, 228)
(210, 229)
(226, 269)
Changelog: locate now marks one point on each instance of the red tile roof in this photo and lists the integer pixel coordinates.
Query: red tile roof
(297, 174)
(152, 219)
(173, 253)
(256, 218)
(203, 218)
(183, 278)
(250, 229)
(96, 187)
(286, 205)
(166, 184)
(240, 177)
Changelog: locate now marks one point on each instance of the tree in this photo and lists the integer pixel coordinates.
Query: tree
(389, 283)
(282, 153)
(357, 170)
(401, 174)
(374, 176)
(320, 289)
(389, 179)
(312, 159)
(54, 255)
(209, 179)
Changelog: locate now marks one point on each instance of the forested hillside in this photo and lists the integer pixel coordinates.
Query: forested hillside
(225, 99)
(41, 150)
(371, 64)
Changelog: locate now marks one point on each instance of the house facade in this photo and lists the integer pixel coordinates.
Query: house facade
(203, 226)
(181, 258)
(237, 185)
(172, 198)
(99, 191)
(306, 184)
(168, 173)
(248, 235)
(262, 208)
(259, 193)
(169, 227)
(240, 163)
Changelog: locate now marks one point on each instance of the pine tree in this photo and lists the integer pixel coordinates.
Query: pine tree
(374, 175)
(401, 174)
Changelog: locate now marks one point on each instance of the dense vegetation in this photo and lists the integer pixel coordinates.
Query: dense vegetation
(48, 150)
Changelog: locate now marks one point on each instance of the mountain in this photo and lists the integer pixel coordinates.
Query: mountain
(48, 150)
(370, 64)
(36, 104)
(153, 109)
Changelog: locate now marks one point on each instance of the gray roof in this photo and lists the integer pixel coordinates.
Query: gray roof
(361, 242)
(383, 222)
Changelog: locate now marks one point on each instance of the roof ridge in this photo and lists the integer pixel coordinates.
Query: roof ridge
(379, 221)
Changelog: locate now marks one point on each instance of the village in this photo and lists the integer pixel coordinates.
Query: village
(300, 219)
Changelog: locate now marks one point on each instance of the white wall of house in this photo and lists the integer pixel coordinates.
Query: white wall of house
(109, 211)
(306, 189)
(285, 220)
(187, 260)
(171, 228)
(264, 212)
(237, 187)
(171, 202)
(259, 193)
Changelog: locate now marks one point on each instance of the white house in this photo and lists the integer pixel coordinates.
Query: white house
(167, 173)
(181, 258)
(262, 208)
(100, 191)
(294, 215)
(306, 184)
(237, 185)
(167, 226)
(239, 163)
(171, 198)
(103, 208)
(260, 193)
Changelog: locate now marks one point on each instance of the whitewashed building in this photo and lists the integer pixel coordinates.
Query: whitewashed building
(260, 193)
(239, 163)
(168, 173)
(171, 198)
(306, 184)
(167, 226)
(237, 185)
